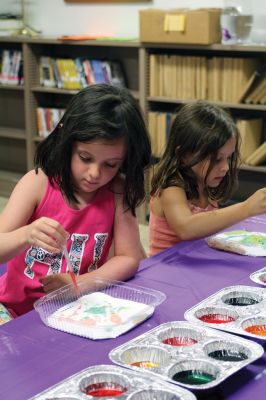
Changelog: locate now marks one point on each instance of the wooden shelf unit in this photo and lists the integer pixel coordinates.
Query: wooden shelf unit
(18, 125)
(250, 178)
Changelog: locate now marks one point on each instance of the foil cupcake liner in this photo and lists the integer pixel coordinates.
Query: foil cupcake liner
(241, 298)
(194, 373)
(259, 276)
(213, 357)
(237, 303)
(227, 351)
(255, 326)
(179, 337)
(216, 315)
(146, 356)
(110, 382)
(151, 394)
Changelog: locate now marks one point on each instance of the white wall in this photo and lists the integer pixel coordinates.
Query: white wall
(55, 17)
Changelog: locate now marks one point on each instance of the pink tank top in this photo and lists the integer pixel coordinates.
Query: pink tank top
(161, 236)
(91, 232)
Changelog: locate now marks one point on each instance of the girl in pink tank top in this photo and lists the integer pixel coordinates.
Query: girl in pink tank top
(88, 181)
(198, 170)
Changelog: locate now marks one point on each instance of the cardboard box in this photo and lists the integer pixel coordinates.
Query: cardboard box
(201, 26)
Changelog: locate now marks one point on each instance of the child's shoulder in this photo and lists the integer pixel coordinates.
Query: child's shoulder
(173, 192)
(34, 182)
(35, 178)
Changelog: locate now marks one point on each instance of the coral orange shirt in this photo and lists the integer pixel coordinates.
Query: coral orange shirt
(161, 236)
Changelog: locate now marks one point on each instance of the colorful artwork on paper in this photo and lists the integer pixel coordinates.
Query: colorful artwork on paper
(241, 242)
(99, 316)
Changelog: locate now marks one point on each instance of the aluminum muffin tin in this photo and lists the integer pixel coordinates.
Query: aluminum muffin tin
(187, 354)
(259, 276)
(237, 309)
(111, 382)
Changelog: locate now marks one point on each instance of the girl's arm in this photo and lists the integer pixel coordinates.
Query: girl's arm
(127, 248)
(15, 232)
(190, 226)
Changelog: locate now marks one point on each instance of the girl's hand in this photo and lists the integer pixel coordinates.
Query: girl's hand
(256, 204)
(53, 282)
(47, 234)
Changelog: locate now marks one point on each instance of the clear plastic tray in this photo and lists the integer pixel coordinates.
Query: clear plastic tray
(101, 309)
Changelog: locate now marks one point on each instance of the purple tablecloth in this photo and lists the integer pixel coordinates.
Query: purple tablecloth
(33, 357)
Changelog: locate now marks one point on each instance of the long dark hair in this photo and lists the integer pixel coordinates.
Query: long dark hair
(101, 112)
(199, 130)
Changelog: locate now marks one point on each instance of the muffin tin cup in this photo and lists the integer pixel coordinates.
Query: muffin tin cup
(259, 276)
(194, 373)
(255, 326)
(238, 303)
(241, 298)
(111, 382)
(214, 357)
(179, 337)
(226, 351)
(146, 357)
(216, 315)
(148, 394)
(103, 384)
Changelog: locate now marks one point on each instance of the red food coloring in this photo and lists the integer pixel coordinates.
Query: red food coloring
(216, 318)
(105, 390)
(180, 341)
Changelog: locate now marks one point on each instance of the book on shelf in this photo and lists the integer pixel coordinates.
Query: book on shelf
(47, 119)
(107, 72)
(250, 134)
(97, 71)
(11, 67)
(88, 72)
(68, 73)
(47, 78)
(118, 77)
(153, 131)
(251, 84)
(57, 76)
(258, 92)
(258, 157)
(153, 75)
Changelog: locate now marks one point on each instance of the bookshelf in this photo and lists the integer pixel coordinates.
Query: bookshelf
(18, 104)
(183, 63)
(18, 120)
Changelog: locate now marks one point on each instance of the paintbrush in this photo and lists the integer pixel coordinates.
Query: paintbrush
(71, 271)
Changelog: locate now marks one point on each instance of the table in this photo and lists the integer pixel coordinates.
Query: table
(34, 357)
